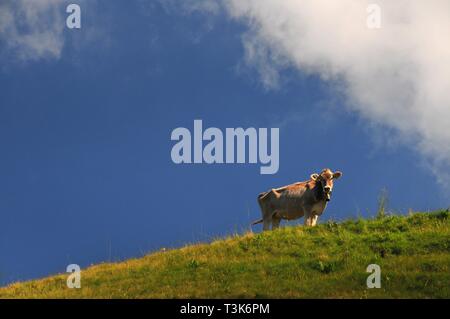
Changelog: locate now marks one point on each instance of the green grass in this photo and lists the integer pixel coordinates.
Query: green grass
(327, 261)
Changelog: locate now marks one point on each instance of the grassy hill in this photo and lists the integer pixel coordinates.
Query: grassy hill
(328, 261)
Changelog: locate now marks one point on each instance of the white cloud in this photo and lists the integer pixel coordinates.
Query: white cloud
(397, 76)
(32, 30)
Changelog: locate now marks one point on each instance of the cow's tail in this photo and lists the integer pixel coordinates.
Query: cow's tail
(257, 221)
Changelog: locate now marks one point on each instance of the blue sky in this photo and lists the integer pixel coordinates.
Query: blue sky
(85, 166)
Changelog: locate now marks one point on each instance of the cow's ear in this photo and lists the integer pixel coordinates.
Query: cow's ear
(337, 174)
(314, 176)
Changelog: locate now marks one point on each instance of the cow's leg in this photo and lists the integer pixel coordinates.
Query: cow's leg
(266, 210)
(314, 219)
(267, 218)
(308, 219)
(275, 222)
(266, 222)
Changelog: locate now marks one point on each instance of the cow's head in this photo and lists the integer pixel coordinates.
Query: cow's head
(325, 178)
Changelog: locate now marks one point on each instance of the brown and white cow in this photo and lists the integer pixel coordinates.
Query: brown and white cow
(293, 201)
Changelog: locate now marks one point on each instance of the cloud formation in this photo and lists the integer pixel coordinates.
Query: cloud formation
(397, 76)
(32, 30)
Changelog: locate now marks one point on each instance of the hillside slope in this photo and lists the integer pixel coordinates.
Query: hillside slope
(329, 261)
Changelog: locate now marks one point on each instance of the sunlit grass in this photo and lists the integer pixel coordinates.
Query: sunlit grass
(328, 261)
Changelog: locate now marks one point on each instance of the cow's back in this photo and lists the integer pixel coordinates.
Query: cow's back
(289, 201)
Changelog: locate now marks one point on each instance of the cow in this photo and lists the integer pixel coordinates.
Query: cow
(308, 199)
